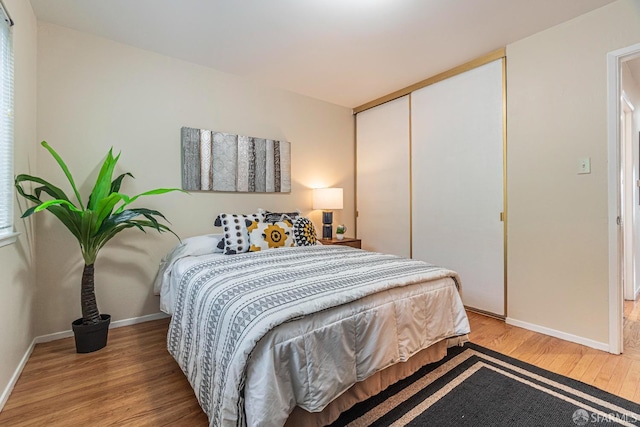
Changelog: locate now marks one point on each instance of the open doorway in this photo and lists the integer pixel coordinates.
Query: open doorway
(630, 199)
(624, 203)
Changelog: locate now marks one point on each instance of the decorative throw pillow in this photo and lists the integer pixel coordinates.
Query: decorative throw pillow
(236, 229)
(278, 216)
(269, 236)
(218, 221)
(304, 232)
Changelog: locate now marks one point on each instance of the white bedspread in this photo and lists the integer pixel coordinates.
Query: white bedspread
(256, 334)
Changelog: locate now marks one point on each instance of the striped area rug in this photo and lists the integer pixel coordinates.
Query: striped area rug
(474, 386)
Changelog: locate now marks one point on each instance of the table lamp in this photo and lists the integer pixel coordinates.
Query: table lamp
(327, 199)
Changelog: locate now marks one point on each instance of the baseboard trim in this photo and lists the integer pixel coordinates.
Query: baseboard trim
(60, 335)
(116, 324)
(558, 334)
(135, 320)
(16, 374)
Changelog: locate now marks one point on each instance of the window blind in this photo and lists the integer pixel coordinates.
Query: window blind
(6, 126)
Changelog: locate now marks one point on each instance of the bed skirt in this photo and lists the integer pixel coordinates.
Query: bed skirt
(373, 385)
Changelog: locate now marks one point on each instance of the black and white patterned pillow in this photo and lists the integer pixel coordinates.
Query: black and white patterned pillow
(236, 229)
(218, 221)
(272, 217)
(304, 232)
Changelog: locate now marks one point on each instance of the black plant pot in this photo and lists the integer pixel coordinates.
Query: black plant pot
(90, 338)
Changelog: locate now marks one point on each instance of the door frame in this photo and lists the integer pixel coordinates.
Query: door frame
(629, 188)
(614, 169)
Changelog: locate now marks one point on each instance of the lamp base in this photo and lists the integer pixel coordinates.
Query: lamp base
(327, 220)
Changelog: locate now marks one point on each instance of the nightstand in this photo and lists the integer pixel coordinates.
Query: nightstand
(347, 241)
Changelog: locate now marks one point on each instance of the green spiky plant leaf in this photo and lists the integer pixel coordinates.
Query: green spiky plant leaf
(106, 213)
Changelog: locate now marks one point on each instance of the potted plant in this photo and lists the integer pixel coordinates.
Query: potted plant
(93, 224)
(340, 230)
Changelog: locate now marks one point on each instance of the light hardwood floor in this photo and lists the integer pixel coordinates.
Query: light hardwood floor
(135, 382)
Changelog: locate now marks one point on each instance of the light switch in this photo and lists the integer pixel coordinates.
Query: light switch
(584, 165)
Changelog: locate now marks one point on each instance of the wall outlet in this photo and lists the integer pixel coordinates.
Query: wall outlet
(584, 165)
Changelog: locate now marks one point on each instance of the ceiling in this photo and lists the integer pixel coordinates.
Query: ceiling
(347, 52)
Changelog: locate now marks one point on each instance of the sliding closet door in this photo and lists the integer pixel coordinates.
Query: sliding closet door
(383, 180)
(457, 157)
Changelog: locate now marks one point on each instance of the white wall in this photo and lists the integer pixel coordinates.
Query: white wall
(94, 93)
(557, 113)
(17, 281)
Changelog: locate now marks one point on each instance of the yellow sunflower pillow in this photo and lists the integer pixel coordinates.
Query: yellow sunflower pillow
(271, 236)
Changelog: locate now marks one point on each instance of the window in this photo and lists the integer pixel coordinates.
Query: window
(7, 234)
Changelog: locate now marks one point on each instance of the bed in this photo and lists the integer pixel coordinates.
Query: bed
(297, 335)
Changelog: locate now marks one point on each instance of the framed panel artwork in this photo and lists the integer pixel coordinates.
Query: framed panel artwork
(219, 161)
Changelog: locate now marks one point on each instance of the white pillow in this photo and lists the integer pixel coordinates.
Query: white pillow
(201, 245)
(192, 246)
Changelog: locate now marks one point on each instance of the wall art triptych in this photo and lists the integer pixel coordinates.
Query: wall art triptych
(218, 161)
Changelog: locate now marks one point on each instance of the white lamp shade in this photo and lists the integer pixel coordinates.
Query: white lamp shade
(327, 198)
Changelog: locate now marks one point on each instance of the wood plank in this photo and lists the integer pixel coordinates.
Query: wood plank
(631, 382)
(133, 381)
(618, 375)
(577, 352)
(583, 365)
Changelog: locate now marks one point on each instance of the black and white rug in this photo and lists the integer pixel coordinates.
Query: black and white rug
(474, 386)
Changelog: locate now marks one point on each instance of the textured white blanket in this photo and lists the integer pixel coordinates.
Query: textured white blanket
(224, 306)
